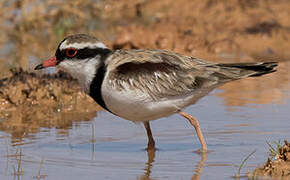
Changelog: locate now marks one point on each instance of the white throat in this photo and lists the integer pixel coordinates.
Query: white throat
(83, 70)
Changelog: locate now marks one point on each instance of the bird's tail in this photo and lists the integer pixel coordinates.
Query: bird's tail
(242, 70)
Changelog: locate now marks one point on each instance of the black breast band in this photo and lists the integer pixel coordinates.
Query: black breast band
(96, 87)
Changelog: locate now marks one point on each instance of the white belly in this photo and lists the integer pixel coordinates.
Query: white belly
(138, 106)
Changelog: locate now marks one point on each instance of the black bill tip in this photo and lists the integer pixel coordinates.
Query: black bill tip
(39, 66)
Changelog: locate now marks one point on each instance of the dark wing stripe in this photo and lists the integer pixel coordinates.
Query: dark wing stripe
(157, 79)
(251, 69)
(147, 66)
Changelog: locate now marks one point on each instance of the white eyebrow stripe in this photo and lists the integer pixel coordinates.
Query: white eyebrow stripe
(82, 45)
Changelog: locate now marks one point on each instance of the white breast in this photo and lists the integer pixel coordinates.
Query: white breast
(137, 106)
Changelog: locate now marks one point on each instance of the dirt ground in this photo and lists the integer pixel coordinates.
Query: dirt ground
(248, 29)
(277, 167)
(237, 30)
(29, 102)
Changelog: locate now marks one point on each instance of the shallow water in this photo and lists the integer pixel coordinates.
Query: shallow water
(236, 119)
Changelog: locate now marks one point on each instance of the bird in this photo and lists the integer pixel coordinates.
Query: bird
(142, 85)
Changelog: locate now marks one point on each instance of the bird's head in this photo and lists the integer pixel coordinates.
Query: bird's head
(80, 55)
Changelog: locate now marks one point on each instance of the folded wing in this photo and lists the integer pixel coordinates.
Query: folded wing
(163, 74)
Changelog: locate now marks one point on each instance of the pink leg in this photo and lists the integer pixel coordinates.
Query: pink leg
(151, 142)
(193, 121)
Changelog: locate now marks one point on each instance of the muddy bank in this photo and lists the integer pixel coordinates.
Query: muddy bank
(211, 29)
(259, 29)
(277, 166)
(29, 102)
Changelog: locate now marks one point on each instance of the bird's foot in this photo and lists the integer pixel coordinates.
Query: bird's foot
(202, 151)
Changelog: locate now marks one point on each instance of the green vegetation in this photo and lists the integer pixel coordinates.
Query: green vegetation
(275, 151)
(238, 174)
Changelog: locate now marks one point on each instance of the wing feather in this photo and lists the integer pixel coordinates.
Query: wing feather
(159, 73)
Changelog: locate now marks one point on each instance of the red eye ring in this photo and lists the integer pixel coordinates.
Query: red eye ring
(70, 52)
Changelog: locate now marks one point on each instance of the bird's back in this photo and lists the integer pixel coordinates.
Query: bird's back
(153, 83)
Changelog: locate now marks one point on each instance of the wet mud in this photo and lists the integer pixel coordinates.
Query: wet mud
(277, 167)
(243, 30)
(29, 102)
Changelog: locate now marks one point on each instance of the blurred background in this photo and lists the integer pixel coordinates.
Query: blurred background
(215, 30)
(240, 30)
(225, 31)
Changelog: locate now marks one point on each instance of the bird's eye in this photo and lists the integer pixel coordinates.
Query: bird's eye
(70, 52)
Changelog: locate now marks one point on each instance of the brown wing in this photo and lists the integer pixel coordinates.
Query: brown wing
(161, 73)
(157, 72)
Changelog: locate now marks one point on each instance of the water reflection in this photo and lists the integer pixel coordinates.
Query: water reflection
(149, 165)
(199, 167)
(24, 125)
(93, 142)
(14, 160)
(261, 90)
(151, 159)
